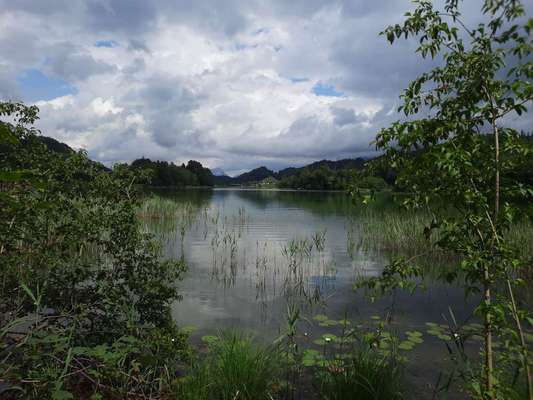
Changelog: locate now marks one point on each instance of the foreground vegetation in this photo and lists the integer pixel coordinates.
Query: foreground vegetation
(454, 152)
(86, 294)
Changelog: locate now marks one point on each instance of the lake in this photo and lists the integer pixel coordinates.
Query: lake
(251, 253)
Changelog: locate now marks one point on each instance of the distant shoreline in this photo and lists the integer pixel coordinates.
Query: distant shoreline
(222, 188)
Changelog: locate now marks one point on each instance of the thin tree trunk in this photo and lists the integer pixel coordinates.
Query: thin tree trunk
(497, 176)
(523, 344)
(489, 367)
(489, 357)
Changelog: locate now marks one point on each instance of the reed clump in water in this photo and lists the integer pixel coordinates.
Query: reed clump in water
(396, 231)
(156, 207)
(402, 231)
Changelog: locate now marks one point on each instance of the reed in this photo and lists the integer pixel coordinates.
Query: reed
(235, 368)
(396, 231)
(156, 207)
(365, 375)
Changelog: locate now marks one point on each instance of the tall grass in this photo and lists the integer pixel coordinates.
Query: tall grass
(402, 231)
(366, 375)
(397, 231)
(236, 368)
(156, 207)
(520, 236)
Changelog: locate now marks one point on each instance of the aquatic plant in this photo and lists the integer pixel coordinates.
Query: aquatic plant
(365, 374)
(235, 368)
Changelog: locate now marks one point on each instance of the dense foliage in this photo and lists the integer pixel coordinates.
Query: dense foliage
(320, 175)
(326, 179)
(459, 160)
(168, 174)
(85, 294)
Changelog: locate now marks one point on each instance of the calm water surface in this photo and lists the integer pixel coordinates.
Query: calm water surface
(251, 252)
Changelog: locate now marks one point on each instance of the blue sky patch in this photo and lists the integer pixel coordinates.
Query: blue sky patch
(298, 80)
(35, 86)
(321, 89)
(106, 43)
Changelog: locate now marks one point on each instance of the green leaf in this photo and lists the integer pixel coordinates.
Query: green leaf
(60, 394)
(6, 136)
(320, 317)
(406, 345)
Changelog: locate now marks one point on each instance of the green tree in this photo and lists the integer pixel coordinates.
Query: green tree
(85, 293)
(453, 152)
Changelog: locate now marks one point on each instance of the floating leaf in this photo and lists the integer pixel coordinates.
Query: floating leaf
(320, 317)
(329, 322)
(406, 345)
(329, 337)
(310, 357)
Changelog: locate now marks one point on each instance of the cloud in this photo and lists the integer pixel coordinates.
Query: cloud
(74, 64)
(233, 84)
(343, 116)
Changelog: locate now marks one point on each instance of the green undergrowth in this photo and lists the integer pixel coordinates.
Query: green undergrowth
(235, 367)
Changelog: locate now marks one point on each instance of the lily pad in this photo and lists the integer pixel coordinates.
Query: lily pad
(320, 317)
(406, 345)
(415, 339)
(329, 322)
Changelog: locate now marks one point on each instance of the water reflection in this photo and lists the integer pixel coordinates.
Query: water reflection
(251, 252)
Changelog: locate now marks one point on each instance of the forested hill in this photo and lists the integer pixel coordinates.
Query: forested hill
(168, 174)
(261, 173)
(162, 173)
(347, 163)
(55, 145)
(319, 175)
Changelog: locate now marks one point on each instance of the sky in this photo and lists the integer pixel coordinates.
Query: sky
(234, 84)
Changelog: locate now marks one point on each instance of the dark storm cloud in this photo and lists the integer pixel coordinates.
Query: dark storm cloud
(72, 64)
(343, 116)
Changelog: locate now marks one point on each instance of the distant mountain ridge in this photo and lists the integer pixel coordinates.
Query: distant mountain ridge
(194, 174)
(261, 173)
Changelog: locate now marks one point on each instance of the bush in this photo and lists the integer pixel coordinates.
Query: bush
(85, 293)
